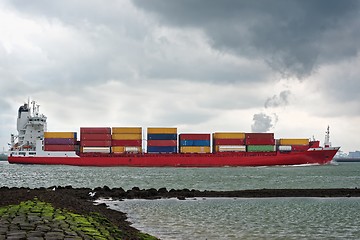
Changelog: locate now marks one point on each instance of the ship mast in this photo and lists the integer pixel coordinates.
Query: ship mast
(327, 142)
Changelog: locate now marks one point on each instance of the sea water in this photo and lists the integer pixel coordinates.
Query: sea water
(219, 218)
(254, 218)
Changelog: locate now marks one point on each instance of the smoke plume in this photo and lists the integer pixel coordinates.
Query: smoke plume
(277, 101)
(263, 122)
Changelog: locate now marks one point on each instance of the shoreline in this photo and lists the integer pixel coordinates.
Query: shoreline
(82, 200)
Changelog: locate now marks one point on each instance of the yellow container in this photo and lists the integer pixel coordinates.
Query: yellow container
(116, 130)
(194, 149)
(126, 136)
(229, 135)
(294, 141)
(118, 149)
(59, 134)
(123, 149)
(151, 130)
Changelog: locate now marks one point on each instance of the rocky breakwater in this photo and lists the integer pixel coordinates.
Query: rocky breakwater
(152, 193)
(59, 213)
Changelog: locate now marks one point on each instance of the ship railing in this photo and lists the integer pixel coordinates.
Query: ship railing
(22, 153)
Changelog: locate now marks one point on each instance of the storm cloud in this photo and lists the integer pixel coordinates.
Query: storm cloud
(294, 37)
(200, 65)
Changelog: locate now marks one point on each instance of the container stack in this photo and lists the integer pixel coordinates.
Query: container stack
(162, 140)
(126, 140)
(229, 142)
(260, 142)
(60, 141)
(194, 143)
(95, 139)
(293, 144)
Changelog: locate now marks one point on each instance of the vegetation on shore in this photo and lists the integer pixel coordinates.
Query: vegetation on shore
(90, 226)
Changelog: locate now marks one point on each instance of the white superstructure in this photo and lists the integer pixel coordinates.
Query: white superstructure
(29, 141)
(31, 125)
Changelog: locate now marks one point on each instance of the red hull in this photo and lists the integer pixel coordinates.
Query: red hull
(187, 160)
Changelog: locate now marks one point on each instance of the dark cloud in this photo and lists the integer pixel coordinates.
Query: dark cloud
(291, 36)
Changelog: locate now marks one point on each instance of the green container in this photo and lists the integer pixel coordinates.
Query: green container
(260, 148)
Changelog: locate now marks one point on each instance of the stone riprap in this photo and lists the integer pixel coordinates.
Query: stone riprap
(34, 219)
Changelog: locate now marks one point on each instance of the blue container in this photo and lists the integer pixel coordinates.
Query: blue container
(162, 136)
(154, 149)
(197, 143)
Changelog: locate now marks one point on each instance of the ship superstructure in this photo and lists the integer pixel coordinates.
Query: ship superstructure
(31, 125)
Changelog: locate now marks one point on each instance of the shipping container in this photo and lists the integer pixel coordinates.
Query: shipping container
(259, 135)
(229, 141)
(230, 148)
(294, 141)
(166, 130)
(127, 136)
(105, 130)
(284, 148)
(126, 149)
(162, 143)
(95, 143)
(161, 149)
(259, 141)
(194, 149)
(95, 136)
(260, 148)
(59, 141)
(117, 130)
(126, 143)
(95, 149)
(194, 136)
(195, 143)
(60, 135)
(229, 135)
(62, 148)
(162, 137)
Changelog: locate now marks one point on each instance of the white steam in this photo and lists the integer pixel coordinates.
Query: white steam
(263, 122)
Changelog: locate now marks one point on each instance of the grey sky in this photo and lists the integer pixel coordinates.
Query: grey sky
(202, 66)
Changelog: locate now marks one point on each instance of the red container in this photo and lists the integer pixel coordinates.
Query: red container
(259, 135)
(162, 143)
(59, 148)
(126, 143)
(194, 136)
(299, 148)
(95, 143)
(95, 136)
(223, 141)
(105, 130)
(260, 141)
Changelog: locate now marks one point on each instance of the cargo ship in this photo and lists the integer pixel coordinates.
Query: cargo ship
(158, 147)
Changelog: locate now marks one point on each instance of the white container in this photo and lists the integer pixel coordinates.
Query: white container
(231, 148)
(132, 149)
(96, 149)
(285, 148)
